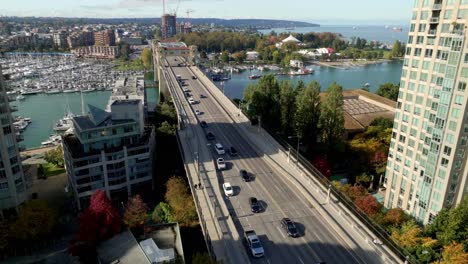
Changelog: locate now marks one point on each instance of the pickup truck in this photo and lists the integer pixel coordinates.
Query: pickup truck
(253, 244)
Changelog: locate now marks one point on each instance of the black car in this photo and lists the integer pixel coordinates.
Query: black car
(232, 151)
(194, 77)
(210, 136)
(245, 175)
(203, 124)
(202, 96)
(289, 227)
(188, 94)
(254, 205)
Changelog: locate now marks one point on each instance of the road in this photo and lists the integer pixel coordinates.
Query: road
(318, 241)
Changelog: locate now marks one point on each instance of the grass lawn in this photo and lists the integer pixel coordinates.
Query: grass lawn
(131, 65)
(52, 170)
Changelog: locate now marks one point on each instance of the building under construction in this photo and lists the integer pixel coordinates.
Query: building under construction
(168, 26)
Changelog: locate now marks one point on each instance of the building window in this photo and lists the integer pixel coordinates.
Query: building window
(444, 162)
(461, 86)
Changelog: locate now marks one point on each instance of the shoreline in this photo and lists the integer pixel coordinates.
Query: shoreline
(348, 64)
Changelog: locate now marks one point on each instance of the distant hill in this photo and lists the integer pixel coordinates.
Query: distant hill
(253, 23)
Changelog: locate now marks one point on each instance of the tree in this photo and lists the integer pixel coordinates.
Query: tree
(180, 200)
(356, 192)
(451, 225)
(35, 220)
(287, 106)
(100, 220)
(135, 212)
(396, 49)
(395, 217)
(454, 254)
(225, 56)
(332, 117)
(389, 91)
(124, 50)
(167, 129)
(203, 258)
(307, 116)
(382, 122)
(368, 204)
(162, 213)
(240, 56)
(322, 165)
(55, 156)
(410, 236)
(147, 58)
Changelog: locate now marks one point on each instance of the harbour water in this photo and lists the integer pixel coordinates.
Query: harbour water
(352, 78)
(380, 33)
(46, 109)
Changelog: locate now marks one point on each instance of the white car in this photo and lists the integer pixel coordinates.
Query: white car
(191, 100)
(219, 149)
(221, 164)
(198, 112)
(228, 190)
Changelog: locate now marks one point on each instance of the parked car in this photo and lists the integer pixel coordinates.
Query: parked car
(203, 124)
(194, 77)
(210, 136)
(221, 164)
(198, 112)
(192, 101)
(219, 149)
(228, 190)
(289, 227)
(244, 175)
(254, 205)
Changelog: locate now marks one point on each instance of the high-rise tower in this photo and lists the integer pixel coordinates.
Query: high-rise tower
(14, 187)
(426, 169)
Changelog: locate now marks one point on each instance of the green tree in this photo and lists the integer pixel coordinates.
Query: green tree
(124, 50)
(135, 212)
(167, 128)
(389, 91)
(287, 106)
(240, 56)
(55, 156)
(382, 122)
(451, 225)
(225, 56)
(263, 101)
(307, 116)
(147, 58)
(396, 49)
(332, 117)
(162, 213)
(453, 253)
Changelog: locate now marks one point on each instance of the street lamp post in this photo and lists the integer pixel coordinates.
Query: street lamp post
(297, 148)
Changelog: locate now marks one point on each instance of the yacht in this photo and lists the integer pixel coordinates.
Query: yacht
(53, 91)
(20, 97)
(65, 123)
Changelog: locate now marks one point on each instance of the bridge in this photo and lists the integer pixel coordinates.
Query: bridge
(328, 231)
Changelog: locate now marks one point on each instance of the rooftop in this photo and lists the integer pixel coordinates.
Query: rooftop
(85, 122)
(122, 248)
(362, 107)
(126, 102)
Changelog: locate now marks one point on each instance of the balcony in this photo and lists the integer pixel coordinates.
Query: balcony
(434, 20)
(13, 108)
(432, 32)
(437, 7)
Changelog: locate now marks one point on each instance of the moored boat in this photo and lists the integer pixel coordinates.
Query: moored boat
(254, 76)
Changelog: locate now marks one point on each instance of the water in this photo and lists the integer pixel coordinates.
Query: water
(375, 75)
(46, 109)
(379, 33)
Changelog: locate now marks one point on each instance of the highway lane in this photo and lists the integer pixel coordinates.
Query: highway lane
(318, 243)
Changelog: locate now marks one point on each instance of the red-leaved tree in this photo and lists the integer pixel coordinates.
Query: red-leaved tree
(356, 191)
(322, 165)
(100, 220)
(368, 204)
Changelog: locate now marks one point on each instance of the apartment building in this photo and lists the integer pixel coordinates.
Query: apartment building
(14, 186)
(79, 39)
(168, 26)
(110, 150)
(426, 169)
(98, 52)
(60, 39)
(104, 38)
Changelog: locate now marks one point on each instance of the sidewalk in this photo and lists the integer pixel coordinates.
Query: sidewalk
(356, 235)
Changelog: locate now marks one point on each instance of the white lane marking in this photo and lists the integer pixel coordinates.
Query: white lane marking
(281, 232)
(248, 185)
(300, 260)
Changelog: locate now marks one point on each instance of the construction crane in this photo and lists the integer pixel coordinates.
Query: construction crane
(188, 11)
(174, 11)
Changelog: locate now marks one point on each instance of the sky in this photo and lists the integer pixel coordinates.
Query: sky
(331, 12)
